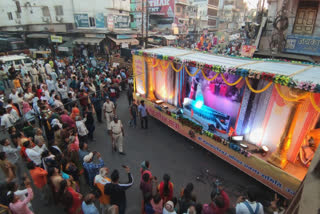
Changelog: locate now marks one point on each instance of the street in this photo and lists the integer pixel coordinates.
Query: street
(168, 152)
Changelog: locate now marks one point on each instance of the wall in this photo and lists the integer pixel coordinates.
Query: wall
(31, 13)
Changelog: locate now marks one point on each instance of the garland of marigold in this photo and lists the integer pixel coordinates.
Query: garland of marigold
(156, 64)
(288, 98)
(313, 102)
(191, 75)
(164, 67)
(230, 84)
(257, 91)
(176, 70)
(204, 75)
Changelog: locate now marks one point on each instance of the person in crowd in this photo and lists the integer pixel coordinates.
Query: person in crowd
(7, 167)
(12, 155)
(143, 114)
(117, 134)
(82, 129)
(35, 75)
(220, 202)
(165, 188)
(21, 192)
(108, 111)
(117, 190)
(88, 206)
(92, 168)
(157, 204)
(133, 110)
(83, 151)
(148, 209)
(187, 199)
(100, 181)
(69, 198)
(90, 121)
(168, 208)
(39, 178)
(9, 119)
(130, 94)
(21, 207)
(32, 153)
(96, 102)
(248, 204)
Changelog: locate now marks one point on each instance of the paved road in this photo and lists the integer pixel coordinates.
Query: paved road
(168, 152)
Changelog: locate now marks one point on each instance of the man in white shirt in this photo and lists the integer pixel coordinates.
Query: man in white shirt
(63, 90)
(8, 120)
(108, 110)
(57, 103)
(14, 95)
(33, 154)
(48, 68)
(12, 155)
(51, 84)
(117, 135)
(249, 205)
(35, 75)
(82, 129)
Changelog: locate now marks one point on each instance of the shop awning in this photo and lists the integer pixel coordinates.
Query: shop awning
(87, 41)
(38, 36)
(65, 47)
(128, 41)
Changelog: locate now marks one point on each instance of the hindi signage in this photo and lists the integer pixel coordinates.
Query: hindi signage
(301, 44)
(81, 20)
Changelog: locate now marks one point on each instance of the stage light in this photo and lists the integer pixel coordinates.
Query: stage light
(159, 101)
(265, 148)
(256, 135)
(237, 138)
(199, 104)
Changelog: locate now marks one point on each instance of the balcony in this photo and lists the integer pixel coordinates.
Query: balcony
(182, 2)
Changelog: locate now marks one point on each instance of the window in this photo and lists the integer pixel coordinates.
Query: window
(27, 60)
(92, 22)
(45, 11)
(17, 62)
(59, 10)
(10, 16)
(212, 22)
(18, 15)
(178, 9)
(306, 18)
(212, 12)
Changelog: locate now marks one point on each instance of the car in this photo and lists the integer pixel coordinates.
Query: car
(16, 60)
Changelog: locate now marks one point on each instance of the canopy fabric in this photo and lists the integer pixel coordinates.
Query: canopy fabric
(128, 41)
(87, 41)
(38, 36)
(298, 72)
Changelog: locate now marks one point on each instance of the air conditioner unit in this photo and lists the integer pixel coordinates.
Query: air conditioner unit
(45, 19)
(59, 19)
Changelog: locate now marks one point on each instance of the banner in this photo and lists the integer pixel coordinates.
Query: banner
(139, 73)
(164, 8)
(121, 21)
(56, 39)
(301, 44)
(248, 50)
(110, 22)
(100, 20)
(81, 20)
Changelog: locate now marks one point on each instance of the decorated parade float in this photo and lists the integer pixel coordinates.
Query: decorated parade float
(261, 116)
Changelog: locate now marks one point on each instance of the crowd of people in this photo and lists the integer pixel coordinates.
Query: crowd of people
(50, 113)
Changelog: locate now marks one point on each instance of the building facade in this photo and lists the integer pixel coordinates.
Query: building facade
(300, 28)
(207, 14)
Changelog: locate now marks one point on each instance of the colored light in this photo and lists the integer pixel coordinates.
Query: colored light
(237, 138)
(265, 148)
(199, 104)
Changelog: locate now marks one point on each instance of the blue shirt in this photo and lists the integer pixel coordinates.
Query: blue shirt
(93, 169)
(89, 208)
(142, 110)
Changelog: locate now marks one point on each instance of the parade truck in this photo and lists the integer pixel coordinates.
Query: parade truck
(261, 116)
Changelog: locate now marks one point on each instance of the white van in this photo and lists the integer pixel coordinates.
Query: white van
(16, 60)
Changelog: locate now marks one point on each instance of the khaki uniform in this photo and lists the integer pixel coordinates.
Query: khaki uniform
(34, 72)
(117, 137)
(108, 112)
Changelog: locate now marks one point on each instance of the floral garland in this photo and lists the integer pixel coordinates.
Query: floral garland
(279, 79)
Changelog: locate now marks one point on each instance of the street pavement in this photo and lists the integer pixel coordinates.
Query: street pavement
(168, 152)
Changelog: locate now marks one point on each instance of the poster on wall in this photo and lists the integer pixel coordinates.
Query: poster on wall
(110, 22)
(139, 74)
(216, 103)
(81, 20)
(100, 20)
(164, 8)
(121, 21)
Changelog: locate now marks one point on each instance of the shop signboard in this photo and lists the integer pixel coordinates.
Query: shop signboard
(81, 20)
(126, 36)
(100, 20)
(302, 44)
(56, 39)
(110, 22)
(164, 8)
(124, 45)
(121, 21)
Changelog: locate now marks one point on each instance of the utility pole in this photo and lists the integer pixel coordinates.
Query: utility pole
(147, 23)
(142, 22)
